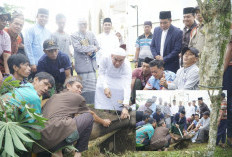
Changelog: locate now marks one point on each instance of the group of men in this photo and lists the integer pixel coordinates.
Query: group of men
(177, 122)
(47, 56)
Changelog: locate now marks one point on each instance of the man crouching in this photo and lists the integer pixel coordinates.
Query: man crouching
(69, 119)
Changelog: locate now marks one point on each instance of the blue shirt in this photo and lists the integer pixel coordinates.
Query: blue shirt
(153, 108)
(154, 83)
(158, 117)
(33, 42)
(26, 92)
(143, 43)
(55, 67)
(146, 132)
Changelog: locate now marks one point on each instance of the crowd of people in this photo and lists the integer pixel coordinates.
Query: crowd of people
(160, 124)
(41, 60)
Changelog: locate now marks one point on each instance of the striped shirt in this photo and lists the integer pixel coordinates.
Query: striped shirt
(143, 43)
(186, 78)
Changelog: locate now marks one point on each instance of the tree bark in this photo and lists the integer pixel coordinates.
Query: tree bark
(216, 14)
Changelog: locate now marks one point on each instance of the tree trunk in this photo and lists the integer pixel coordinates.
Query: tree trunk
(216, 14)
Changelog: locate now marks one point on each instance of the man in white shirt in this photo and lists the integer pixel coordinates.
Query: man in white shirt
(174, 109)
(114, 83)
(107, 40)
(190, 110)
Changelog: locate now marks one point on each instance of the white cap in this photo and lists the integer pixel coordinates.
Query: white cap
(119, 52)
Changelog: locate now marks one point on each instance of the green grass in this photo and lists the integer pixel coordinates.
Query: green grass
(194, 150)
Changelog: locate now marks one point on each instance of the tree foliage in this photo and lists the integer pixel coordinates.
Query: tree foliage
(19, 124)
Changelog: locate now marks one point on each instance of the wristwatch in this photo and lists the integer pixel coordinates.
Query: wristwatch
(135, 61)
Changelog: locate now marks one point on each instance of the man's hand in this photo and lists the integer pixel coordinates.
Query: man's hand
(163, 81)
(34, 68)
(177, 125)
(89, 53)
(159, 57)
(125, 114)
(107, 92)
(106, 122)
(136, 64)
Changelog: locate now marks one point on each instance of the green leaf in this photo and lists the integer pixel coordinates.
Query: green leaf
(36, 126)
(2, 132)
(21, 129)
(17, 142)
(16, 113)
(9, 78)
(13, 95)
(34, 134)
(22, 115)
(22, 136)
(9, 147)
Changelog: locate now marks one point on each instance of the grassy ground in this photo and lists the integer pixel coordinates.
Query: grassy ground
(194, 150)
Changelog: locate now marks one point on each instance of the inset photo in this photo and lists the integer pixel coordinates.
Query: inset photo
(179, 120)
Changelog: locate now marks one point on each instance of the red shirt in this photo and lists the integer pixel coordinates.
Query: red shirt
(138, 74)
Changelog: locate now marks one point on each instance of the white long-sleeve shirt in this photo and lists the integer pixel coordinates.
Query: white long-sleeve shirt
(107, 43)
(189, 111)
(118, 80)
(174, 109)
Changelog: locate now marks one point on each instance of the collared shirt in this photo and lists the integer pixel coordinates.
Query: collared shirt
(33, 42)
(146, 132)
(197, 37)
(163, 38)
(186, 35)
(167, 111)
(153, 107)
(15, 41)
(143, 43)
(205, 123)
(5, 47)
(174, 109)
(158, 117)
(26, 92)
(107, 43)
(138, 74)
(64, 42)
(154, 83)
(186, 78)
(84, 43)
(55, 67)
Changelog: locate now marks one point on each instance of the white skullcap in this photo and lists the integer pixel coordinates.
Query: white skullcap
(119, 52)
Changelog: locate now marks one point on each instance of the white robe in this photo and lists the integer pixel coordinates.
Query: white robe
(107, 43)
(118, 80)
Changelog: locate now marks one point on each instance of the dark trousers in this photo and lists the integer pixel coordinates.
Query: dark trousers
(146, 142)
(203, 135)
(221, 134)
(227, 85)
(84, 127)
(137, 86)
